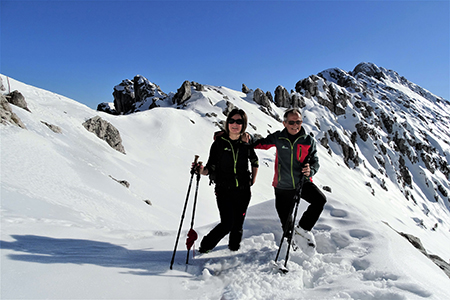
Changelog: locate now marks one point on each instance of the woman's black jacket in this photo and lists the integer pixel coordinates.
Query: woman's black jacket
(228, 162)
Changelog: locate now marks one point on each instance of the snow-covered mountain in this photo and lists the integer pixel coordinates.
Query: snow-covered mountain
(71, 230)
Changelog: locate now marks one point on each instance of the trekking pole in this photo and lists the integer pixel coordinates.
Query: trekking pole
(184, 210)
(287, 227)
(192, 235)
(290, 227)
(297, 201)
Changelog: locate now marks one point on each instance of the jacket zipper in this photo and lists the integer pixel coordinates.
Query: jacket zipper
(292, 158)
(235, 156)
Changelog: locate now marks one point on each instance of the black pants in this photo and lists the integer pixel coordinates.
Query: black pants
(284, 202)
(232, 204)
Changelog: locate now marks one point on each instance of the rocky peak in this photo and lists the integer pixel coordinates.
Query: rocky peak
(129, 95)
(369, 69)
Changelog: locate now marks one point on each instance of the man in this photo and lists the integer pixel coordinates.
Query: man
(296, 156)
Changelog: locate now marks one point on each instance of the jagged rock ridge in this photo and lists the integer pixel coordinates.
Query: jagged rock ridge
(374, 108)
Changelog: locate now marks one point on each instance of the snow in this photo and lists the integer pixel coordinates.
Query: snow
(68, 231)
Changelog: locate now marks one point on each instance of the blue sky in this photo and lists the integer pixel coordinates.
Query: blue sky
(82, 49)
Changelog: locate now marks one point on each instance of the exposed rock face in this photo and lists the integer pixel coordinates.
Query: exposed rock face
(54, 128)
(122, 182)
(198, 86)
(261, 98)
(282, 97)
(326, 93)
(383, 117)
(130, 95)
(7, 115)
(230, 106)
(2, 87)
(142, 88)
(369, 69)
(417, 243)
(183, 94)
(16, 98)
(124, 97)
(105, 131)
(107, 108)
(348, 151)
(269, 96)
(245, 89)
(297, 100)
(265, 100)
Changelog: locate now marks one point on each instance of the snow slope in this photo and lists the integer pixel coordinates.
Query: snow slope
(69, 231)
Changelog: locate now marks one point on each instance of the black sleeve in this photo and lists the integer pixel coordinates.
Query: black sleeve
(213, 157)
(253, 157)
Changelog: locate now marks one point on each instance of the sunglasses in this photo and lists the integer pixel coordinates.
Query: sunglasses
(294, 122)
(238, 121)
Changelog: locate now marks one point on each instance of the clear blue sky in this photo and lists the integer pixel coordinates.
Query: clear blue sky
(82, 49)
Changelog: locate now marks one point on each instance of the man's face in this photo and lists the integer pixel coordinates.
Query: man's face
(293, 123)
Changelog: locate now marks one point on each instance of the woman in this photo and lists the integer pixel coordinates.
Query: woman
(228, 165)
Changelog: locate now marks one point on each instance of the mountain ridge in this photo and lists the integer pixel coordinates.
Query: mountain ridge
(70, 183)
(382, 103)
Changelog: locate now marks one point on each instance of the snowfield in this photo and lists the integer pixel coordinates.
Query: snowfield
(69, 231)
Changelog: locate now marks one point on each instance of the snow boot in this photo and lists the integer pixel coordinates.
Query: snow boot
(304, 240)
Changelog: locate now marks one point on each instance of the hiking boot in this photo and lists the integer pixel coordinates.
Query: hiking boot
(203, 250)
(304, 240)
(234, 247)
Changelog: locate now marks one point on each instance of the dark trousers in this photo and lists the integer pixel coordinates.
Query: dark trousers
(232, 204)
(284, 202)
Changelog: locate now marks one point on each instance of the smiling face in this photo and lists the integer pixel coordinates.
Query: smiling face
(293, 123)
(233, 124)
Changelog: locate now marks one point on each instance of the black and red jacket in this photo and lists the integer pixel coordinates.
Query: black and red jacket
(290, 157)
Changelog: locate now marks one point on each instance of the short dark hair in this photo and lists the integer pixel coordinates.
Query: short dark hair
(237, 111)
(294, 110)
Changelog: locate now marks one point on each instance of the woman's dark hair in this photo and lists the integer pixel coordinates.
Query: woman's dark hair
(234, 112)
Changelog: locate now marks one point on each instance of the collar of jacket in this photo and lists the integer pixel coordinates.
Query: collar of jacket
(285, 133)
(227, 138)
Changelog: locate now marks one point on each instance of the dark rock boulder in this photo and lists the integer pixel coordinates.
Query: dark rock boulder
(282, 97)
(198, 86)
(124, 96)
(105, 131)
(106, 107)
(183, 93)
(261, 98)
(129, 95)
(297, 100)
(16, 98)
(7, 115)
(245, 89)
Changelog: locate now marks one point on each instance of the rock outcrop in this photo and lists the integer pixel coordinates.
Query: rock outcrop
(105, 131)
(16, 98)
(54, 128)
(282, 97)
(7, 115)
(130, 95)
(183, 94)
(261, 98)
